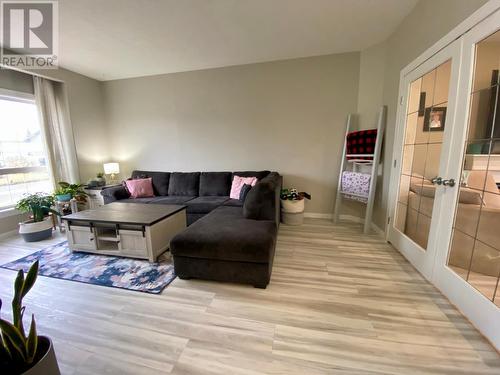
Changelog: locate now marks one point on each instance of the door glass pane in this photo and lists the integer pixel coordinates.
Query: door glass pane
(425, 124)
(475, 247)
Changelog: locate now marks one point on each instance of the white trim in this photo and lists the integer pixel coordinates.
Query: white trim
(13, 95)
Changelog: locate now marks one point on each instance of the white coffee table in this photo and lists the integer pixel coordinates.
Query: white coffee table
(125, 229)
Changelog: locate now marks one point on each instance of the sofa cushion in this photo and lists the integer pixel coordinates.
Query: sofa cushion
(225, 234)
(184, 183)
(172, 199)
(160, 180)
(259, 174)
(215, 183)
(233, 203)
(203, 205)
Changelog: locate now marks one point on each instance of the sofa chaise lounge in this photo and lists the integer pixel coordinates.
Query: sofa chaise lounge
(226, 239)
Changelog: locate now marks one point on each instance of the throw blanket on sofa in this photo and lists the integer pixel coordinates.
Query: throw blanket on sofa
(357, 184)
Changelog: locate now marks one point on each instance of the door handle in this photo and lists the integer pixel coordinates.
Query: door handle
(450, 182)
(437, 181)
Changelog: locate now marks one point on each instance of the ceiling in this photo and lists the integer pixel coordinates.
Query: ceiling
(115, 39)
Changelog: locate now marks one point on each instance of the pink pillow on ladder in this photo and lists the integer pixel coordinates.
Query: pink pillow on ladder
(140, 188)
(238, 183)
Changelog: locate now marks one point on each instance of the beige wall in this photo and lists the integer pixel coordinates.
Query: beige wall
(429, 21)
(287, 116)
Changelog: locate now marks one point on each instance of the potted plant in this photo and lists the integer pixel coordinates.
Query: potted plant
(39, 226)
(66, 191)
(101, 181)
(20, 353)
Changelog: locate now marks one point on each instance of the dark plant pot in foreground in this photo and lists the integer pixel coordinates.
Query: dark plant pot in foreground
(46, 359)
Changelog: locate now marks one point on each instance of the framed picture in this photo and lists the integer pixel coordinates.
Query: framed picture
(434, 119)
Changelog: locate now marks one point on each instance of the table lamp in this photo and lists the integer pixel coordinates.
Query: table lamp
(112, 169)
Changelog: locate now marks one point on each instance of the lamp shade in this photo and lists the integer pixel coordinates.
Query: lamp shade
(111, 168)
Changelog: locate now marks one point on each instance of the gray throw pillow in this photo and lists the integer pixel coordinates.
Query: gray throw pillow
(244, 191)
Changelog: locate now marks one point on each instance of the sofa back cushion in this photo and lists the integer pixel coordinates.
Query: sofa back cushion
(160, 180)
(215, 184)
(184, 183)
(262, 201)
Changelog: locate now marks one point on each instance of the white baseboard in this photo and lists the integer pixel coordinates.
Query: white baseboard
(8, 234)
(356, 219)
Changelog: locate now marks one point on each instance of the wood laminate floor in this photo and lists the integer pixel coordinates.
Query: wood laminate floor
(339, 303)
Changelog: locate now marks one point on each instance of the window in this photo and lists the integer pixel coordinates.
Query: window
(23, 159)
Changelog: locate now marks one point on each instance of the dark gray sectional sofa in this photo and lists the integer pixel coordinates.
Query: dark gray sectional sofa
(226, 239)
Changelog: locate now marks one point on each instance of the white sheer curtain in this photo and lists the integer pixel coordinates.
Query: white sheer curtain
(52, 103)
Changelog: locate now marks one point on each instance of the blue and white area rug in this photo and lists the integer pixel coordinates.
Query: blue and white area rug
(59, 262)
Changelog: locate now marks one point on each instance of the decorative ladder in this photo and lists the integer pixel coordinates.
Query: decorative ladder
(354, 162)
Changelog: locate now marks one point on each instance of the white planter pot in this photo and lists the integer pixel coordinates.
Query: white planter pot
(31, 231)
(47, 365)
(292, 206)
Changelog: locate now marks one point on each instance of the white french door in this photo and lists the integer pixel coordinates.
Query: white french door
(425, 130)
(468, 261)
(445, 197)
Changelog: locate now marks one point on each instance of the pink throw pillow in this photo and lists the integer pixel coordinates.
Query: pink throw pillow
(140, 188)
(238, 183)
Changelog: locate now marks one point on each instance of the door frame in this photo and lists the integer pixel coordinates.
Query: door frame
(424, 259)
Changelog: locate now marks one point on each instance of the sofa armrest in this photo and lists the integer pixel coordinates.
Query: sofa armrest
(115, 193)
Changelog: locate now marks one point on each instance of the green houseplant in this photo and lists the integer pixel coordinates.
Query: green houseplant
(67, 191)
(101, 180)
(39, 226)
(20, 353)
